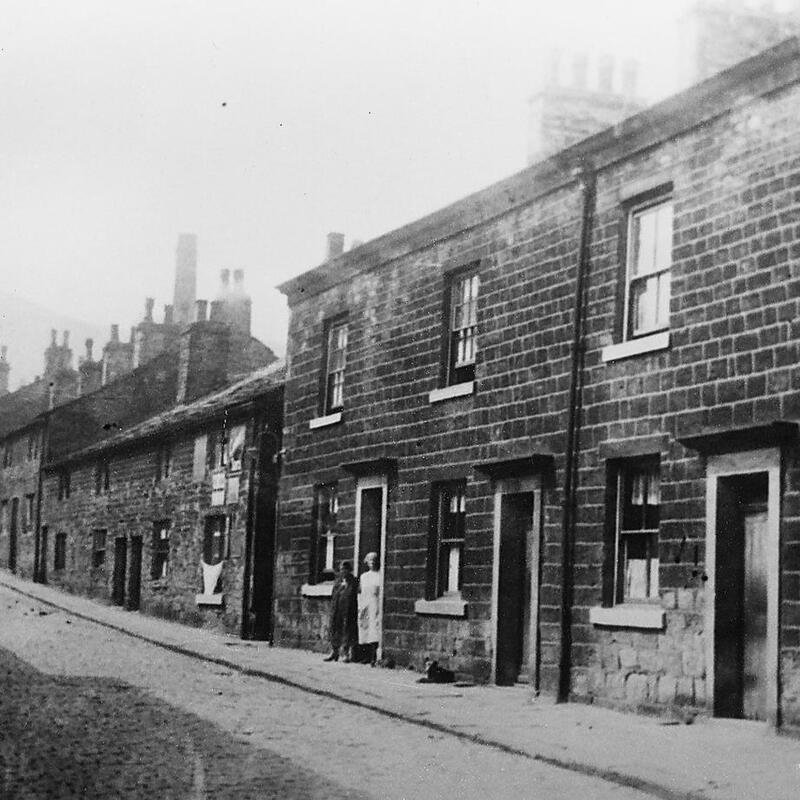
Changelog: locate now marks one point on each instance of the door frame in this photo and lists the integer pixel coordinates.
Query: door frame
(730, 465)
(519, 485)
(380, 481)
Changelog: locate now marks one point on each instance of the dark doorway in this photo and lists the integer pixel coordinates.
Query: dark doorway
(740, 630)
(42, 577)
(514, 590)
(263, 563)
(120, 564)
(370, 525)
(135, 574)
(12, 535)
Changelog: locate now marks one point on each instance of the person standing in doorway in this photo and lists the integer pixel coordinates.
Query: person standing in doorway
(369, 608)
(343, 626)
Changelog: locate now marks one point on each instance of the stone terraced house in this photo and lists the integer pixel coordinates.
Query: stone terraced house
(564, 411)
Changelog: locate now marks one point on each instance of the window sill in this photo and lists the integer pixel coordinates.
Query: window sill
(317, 589)
(636, 347)
(628, 615)
(452, 606)
(323, 422)
(209, 599)
(449, 392)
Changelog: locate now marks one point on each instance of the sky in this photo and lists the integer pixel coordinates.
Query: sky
(262, 126)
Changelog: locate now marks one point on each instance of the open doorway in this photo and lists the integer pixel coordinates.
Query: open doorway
(742, 564)
(516, 583)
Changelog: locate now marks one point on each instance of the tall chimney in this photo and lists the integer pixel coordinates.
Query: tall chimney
(335, 245)
(577, 97)
(185, 278)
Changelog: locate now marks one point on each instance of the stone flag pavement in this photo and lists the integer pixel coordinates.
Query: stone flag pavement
(710, 758)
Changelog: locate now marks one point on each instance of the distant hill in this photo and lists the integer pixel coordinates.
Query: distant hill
(25, 329)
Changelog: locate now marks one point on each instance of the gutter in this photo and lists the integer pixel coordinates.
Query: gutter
(587, 181)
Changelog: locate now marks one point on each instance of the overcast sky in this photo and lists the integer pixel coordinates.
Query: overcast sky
(260, 127)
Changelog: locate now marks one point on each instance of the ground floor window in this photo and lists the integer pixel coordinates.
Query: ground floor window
(216, 539)
(636, 486)
(447, 537)
(322, 558)
(98, 548)
(160, 549)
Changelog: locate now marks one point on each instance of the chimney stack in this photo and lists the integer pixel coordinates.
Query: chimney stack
(169, 318)
(578, 96)
(335, 245)
(185, 278)
(65, 339)
(53, 336)
(148, 309)
(201, 310)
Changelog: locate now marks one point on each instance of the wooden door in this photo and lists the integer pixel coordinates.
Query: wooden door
(12, 538)
(120, 563)
(135, 574)
(754, 629)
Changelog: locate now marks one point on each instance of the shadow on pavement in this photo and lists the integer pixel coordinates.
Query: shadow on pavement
(98, 738)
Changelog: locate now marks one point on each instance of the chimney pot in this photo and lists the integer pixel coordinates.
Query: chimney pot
(148, 309)
(225, 277)
(53, 335)
(3, 353)
(202, 310)
(169, 314)
(238, 277)
(89, 347)
(115, 332)
(335, 245)
(133, 334)
(630, 77)
(65, 339)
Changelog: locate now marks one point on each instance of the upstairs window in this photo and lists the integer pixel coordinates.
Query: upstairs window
(8, 454)
(648, 269)
(160, 550)
(335, 364)
(462, 321)
(64, 487)
(163, 461)
(637, 490)
(323, 535)
(4, 516)
(98, 548)
(102, 477)
(33, 446)
(447, 541)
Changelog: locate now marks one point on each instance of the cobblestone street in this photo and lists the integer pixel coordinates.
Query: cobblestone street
(89, 712)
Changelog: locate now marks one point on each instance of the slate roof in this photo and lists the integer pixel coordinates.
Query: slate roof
(187, 415)
(21, 407)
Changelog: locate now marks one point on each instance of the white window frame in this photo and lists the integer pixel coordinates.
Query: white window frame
(456, 286)
(456, 490)
(628, 334)
(336, 327)
(622, 469)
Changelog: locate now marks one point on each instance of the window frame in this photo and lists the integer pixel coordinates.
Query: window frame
(163, 460)
(454, 374)
(322, 562)
(102, 477)
(633, 210)
(620, 474)
(327, 404)
(223, 550)
(159, 565)
(439, 568)
(64, 484)
(30, 511)
(99, 545)
(5, 506)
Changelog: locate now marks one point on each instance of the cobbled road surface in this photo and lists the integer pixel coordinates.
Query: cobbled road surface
(86, 712)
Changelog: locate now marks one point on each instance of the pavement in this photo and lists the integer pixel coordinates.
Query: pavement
(710, 758)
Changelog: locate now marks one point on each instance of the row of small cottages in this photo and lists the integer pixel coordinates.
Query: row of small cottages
(563, 411)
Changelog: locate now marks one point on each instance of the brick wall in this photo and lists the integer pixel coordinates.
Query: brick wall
(134, 502)
(731, 361)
